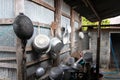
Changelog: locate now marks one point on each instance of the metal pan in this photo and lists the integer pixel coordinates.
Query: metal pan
(41, 43)
(23, 27)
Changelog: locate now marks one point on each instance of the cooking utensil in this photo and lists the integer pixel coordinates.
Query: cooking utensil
(41, 43)
(40, 72)
(55, 72)
(23, 27)
(81, 35)
(56, 43)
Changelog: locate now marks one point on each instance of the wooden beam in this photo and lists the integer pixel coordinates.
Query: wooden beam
(44, 4)
(93, 9)
(103, 25)
(6, 21)
(41, 24)
(77, 20)
(7, 49)
(5, 78)
(9, 21)
(8, 59)
(12, 49)
(69, 16)
(43, 58)
(72, 20)
(66, 15)
(57, 19)
(8, 65)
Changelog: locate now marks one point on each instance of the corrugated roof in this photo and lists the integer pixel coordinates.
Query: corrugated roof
(104, 8)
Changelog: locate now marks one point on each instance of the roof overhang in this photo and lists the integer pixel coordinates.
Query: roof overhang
(103, 8)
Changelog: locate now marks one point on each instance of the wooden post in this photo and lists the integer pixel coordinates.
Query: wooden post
(19, 8)
(72, 20)
(98, 50)
(57, 18)
(80, 29)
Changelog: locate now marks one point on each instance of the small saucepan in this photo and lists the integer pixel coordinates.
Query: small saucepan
(56, 44)
(41, 43)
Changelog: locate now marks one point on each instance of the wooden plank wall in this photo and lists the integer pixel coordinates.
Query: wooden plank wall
(60, 13)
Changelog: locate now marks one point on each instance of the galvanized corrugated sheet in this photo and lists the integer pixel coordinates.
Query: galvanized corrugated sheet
(65, 8)
(76, 25)
(47, 16)
(50, 2)
(38, 13)
(6, 8)
(65, 21)
(7, 36)
(7, 54)
(7, 74)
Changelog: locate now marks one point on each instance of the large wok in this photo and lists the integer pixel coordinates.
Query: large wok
(23, 27)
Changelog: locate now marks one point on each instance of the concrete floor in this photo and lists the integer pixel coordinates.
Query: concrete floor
(111, 76)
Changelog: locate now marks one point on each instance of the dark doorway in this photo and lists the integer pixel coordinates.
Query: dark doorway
(115, 50)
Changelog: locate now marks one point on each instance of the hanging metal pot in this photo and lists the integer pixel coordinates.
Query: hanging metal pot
(55, 73)
(64, 67)
(23, 27)
(56, 43)
(40, 72)
(41, 43)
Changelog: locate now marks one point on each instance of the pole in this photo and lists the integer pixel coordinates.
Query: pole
(98, 50)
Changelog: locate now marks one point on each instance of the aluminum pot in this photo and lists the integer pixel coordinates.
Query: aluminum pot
(41, 43)
(23, 27)
(55, 73)
(56, 45)
(40, 72)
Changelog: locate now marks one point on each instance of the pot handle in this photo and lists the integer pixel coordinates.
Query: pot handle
(52, 32)
(38, 29)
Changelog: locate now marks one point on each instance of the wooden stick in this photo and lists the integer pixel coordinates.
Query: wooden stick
(8, 65)
(19, 8)
(8, 59)
(57, 19)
